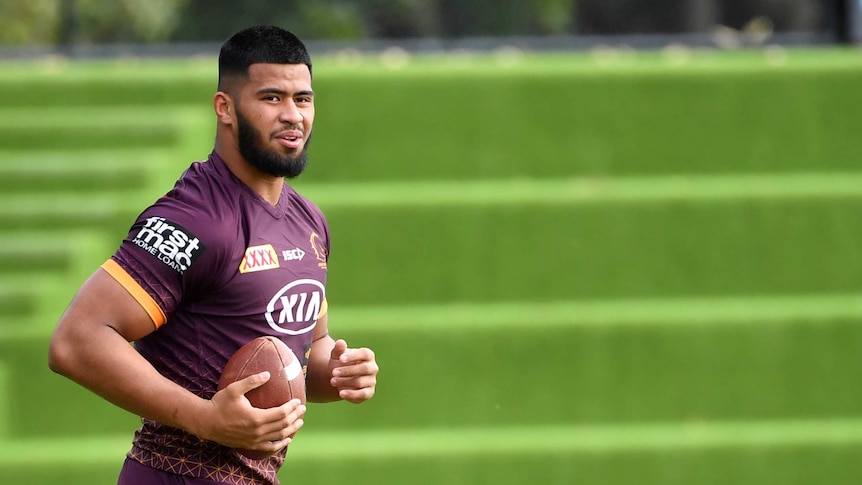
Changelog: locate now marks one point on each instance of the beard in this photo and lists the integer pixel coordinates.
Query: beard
(254, 150)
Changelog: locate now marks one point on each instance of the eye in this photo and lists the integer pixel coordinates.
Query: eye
(271, 97)
(304, 99)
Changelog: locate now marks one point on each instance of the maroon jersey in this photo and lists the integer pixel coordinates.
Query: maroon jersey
(215, 266)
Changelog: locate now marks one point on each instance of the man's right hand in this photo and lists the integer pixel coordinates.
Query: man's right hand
(232, 420)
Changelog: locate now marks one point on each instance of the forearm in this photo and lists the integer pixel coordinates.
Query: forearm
(105, 363)
(318, 386)
(337, 372)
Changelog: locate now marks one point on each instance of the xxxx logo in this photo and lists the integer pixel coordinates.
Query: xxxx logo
(259, 258)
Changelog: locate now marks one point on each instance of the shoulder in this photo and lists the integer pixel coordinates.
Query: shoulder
(206, 196)
(302, 204)
(196, 218)
(320, 240)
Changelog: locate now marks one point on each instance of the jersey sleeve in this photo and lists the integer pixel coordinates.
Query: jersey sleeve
(169, 255)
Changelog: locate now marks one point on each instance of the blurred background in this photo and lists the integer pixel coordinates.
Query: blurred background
(590, 241)
(177, 27)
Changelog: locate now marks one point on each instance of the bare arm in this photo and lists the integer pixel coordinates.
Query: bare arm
(338, 372)
(91, 347)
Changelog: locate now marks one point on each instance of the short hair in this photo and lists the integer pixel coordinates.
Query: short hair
(259, 44)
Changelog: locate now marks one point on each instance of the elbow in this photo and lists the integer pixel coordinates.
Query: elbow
(59, 356)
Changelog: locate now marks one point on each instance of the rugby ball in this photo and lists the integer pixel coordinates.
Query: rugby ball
(286, 380)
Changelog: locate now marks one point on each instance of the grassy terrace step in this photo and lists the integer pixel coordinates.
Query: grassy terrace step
(17, 299)
(30, 253)
(622, 114)
(28, 295)
(37, 172)
(640, 248)
(603, 362)
(58, 259)
(188, 82)
(565, 364)
(40, 270)
(109, 212)
(117, 128)
(553, 240)
(758, 452)
(587, 125)
(87, 136)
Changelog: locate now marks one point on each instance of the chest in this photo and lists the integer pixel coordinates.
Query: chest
(275, 278)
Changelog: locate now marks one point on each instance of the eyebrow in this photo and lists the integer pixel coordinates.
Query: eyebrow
(282, 92)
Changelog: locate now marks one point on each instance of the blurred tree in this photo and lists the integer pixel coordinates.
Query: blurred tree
(102, 21)
(783, 15)
(30, 22)
(400, 19)
(68, 27)
(329, 20)
(504, 17)
(215, 20)
(555, 16)
(679, 16)
(67, 22)
(633, 17)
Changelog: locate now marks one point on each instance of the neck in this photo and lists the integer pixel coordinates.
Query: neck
(267, 186)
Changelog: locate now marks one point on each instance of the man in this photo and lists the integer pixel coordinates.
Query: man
(231, 253)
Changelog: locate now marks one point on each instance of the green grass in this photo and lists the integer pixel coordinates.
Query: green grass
(771, 364)
(767, 453)
(609, 267)
(503, 253)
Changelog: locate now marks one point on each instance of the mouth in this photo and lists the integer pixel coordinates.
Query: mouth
(290, 139)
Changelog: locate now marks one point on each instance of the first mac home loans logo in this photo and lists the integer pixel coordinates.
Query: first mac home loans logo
(173, 244)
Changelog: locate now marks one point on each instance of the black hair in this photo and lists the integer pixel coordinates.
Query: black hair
(259, 44)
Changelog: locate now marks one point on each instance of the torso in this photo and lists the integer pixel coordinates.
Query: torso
(241, 268)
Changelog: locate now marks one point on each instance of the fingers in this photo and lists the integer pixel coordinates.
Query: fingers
(356, 380)
(355, 363)
(242, 386)
(282, 421)
(236, 424)
(356, 396)
(354, 355)
(338, 349)
(271, 447)
(277, 426)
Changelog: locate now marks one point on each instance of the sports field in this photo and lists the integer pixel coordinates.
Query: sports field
(610, 267)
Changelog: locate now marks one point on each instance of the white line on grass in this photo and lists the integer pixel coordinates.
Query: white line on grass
(777, 310)
(568, 439)
(681, 311)
(754, 436)
(583, 191)
(502, 193)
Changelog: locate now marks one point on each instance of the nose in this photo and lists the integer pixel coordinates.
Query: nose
(291, 114)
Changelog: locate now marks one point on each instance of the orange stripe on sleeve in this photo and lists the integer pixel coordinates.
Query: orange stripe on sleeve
(138, 293)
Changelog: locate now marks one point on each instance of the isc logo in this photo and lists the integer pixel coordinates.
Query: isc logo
(295, 254)
(173, 244)
(259, 258)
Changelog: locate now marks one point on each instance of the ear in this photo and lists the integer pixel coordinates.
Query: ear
(224, 108)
